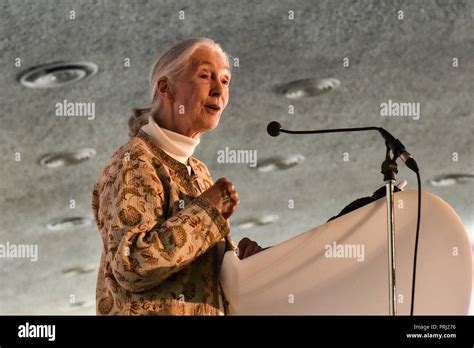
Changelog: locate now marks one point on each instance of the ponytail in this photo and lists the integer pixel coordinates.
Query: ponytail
(138, 119)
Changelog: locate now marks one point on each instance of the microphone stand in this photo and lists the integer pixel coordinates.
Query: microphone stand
(389, 170)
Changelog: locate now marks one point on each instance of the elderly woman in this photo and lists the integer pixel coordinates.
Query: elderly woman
(164, 224)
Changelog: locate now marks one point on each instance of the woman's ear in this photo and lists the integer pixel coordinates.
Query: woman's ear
(164, 88)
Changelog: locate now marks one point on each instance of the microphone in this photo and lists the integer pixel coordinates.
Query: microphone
(273, 128)
(398, 149)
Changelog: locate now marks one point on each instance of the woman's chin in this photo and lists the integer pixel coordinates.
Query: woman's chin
(211, 122)
(209, 127)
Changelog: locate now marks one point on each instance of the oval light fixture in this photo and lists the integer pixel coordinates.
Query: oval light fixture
(258, 221)
(56, 74)
(78, 270)
(81, 304)
(60, 224)
(56, 160)
(451, 179)
(280, 163)
(305, 88)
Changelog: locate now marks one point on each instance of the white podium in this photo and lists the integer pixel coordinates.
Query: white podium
(341, 267)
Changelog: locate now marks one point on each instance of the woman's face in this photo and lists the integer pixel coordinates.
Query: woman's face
(201, 93)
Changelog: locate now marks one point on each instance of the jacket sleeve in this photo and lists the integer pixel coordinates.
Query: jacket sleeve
(144, 248)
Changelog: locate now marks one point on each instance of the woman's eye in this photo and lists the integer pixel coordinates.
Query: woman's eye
(205, 76)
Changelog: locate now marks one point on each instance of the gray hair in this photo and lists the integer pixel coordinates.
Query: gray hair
(171, 64)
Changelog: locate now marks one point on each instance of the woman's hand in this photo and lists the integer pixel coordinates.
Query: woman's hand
(223, 196)
(248, 248)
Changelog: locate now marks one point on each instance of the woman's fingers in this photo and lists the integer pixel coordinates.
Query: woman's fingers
(232, 200)
(223, 196)
(251, 250)
(248, 248)
(242, 246)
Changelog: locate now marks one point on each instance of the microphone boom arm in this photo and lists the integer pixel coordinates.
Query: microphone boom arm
(398, 149)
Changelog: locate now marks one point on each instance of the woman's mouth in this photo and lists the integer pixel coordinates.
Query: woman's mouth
(212, 108)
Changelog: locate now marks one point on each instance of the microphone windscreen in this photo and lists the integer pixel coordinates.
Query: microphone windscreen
(273, 128)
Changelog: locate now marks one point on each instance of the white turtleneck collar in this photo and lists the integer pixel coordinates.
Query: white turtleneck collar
(176, 145)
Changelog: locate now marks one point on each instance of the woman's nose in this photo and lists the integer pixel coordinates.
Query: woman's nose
(217, 89)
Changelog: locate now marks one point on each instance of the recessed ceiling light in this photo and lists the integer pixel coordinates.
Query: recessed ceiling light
(78, 270)
(57, 74)
(308, 87)
(257, 221)
(81, 304)
(451, 179)
(280, 163)
(66, 158)
(60, 224)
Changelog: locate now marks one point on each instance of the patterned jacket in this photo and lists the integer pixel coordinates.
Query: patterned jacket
(160, 239)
